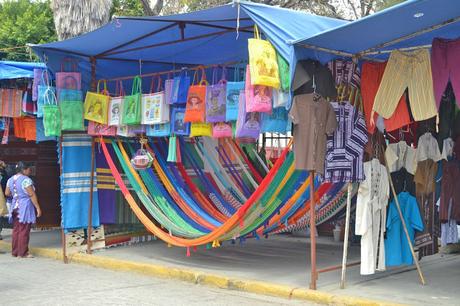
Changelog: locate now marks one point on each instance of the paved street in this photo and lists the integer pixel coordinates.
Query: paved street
(41, 281)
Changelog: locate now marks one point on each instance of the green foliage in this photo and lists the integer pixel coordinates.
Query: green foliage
(127, 8)
(23, 22)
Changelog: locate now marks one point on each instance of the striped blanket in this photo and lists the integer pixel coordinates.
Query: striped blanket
(75, 183)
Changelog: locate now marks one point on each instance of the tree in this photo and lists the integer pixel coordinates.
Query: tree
(73, 18)
(22, 22)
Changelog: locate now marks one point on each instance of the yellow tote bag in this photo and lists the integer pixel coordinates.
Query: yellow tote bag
(262, 61)
(97, 105)
(201, 129)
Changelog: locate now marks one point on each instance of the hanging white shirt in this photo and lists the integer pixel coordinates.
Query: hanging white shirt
(428, 148)
(400, 155)
(447, 148)
(372, 200)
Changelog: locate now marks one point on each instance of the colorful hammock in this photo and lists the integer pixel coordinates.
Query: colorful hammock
(187, 216)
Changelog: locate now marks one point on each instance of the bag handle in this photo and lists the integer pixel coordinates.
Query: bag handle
(160, 86)
(203, 76)
(256, 32)
(223, 79)
(45, 74)
(119, 90)
(137, 85)
(152, 84)
(49, 92)
(214, 75)
(73, 64)
(104, 91)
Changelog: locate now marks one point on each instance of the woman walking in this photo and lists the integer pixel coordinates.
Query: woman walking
(23, 205)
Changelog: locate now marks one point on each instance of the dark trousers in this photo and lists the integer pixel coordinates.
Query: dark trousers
(21, 235)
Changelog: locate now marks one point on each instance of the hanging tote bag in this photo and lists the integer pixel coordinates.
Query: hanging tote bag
(97, 129)
(178, 124)
(200, 129)
(97, 105)
(42, 90)
(68, 77)
(116, 106)
(233, 96)
(222, 130)
(51, 116)
(258, 98)
(215, 99)
(130, 130)
(132, 104)
(180, 87)
(36, 82)
(169, 82)
(195, 110)
(40, 132)
(283, 68)
(154, 107)
(263, 62)
(158, 130)
(72, 115)
(248, 124)
(277, 122)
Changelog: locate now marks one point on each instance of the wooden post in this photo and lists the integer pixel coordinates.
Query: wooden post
(398, 207)
(345, 242)
(63, 240)
(313, 273)
(91, 191)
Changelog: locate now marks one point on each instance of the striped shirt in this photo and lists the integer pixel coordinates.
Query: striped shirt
(345, 148)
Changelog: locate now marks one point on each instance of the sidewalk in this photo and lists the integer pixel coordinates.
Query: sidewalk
(277, 266)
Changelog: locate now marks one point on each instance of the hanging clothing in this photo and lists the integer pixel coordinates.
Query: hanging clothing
(345, 72)
(397, 249)
(403, 181)
(311, 76)
(427, 148)
(313, 121)
(371, 206)
(410, 70)
(449, 230)
(400, 155)
(345, 147)
(371, 78)
(26, 128)
(444, 64)
(424, 177)
(447, 148)
(450, 191)
(447, 112)
(425, 182)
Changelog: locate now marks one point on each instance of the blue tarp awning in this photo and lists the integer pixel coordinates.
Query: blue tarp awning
(17, 70)
(130, 45)
(409, 24)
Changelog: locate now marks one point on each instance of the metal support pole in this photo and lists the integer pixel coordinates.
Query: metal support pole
(91, 191)
(345, 242)
(313, 274)
(398, 207)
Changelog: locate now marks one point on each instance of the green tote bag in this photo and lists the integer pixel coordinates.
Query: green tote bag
(132, 113)
(51, 116)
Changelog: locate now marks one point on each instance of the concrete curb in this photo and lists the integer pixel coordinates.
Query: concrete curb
(207, 279)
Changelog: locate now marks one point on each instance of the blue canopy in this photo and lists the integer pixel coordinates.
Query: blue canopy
(409, 24)
(133, 45)
(17, 70)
